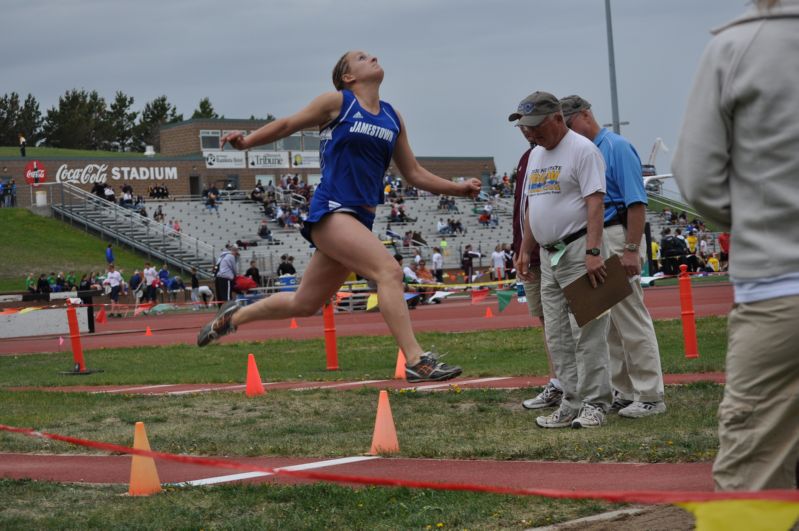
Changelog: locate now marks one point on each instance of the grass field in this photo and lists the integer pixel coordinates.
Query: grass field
(459, 423)
(45, 245)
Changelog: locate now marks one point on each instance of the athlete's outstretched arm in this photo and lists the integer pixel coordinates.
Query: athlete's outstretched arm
(320, 111)
(417, 176)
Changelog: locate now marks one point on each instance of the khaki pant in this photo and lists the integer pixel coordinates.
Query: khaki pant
(580, 358)
(532, 291)
(635, 371)
(759, 415)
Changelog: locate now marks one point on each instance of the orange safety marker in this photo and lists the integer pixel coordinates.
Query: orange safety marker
(74, 335)
(489, 314)
(399, 370)
(101, 316)
(687, 313)
(331, 350)
(293, 323)
(255, 386)
(384, 439)
(143, 474)
(148, 332)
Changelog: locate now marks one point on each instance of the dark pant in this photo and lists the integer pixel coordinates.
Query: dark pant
(224, 289)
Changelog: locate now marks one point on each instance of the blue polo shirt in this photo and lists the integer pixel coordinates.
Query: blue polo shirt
(624, 181)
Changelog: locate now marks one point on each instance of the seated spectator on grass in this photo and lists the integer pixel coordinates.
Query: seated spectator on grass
(42, 285)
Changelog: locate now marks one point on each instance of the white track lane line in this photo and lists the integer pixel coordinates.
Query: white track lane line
(459, 384)
(127, 389)
(249, 475)
(346, 384)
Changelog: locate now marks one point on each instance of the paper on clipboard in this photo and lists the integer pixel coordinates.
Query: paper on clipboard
(587, 303)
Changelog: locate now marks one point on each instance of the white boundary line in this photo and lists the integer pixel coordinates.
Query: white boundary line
(459, 384)
(249, 475)
(112, 391)
(346, 384)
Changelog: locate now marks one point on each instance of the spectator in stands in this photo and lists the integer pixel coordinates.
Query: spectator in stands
(257, 193)
(724, 256)
(126, 201)
(225, 273)
(159, 214)
(109, 254)
(150, 282)
(176, 225)
(113, 279)
(253, 273)
(263, 230)
(344, 240)
(442, 227)
(212, 201)
(737, 164)
(498, 263)
(438, 265)
(163, 275)
(467, 263)
(108, 194)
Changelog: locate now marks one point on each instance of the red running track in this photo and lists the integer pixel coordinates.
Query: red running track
(514, 474)
(450, 316)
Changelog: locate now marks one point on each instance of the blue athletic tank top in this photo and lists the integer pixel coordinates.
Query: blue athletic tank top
(355, 152)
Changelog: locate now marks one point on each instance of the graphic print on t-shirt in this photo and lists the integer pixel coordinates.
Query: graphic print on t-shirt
(544, 181)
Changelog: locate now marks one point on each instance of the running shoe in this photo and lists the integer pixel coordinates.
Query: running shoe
(636, 410)
(549, 397)
(222, 324)
(561, 418)
(590, 416)
(430, 369)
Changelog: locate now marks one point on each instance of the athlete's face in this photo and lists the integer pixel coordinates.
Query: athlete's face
(363, 66)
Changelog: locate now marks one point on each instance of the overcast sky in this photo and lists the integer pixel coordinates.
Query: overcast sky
(454, 69)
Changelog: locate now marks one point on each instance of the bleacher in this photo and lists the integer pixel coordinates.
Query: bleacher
(240, 219)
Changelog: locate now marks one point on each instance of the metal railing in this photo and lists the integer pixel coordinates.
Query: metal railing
(126, 225)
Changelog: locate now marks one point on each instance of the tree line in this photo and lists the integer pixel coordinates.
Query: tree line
(84, 120)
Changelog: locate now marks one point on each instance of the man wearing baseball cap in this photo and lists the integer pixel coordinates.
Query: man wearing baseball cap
(562, 211)
(227, 268)
(635, 370)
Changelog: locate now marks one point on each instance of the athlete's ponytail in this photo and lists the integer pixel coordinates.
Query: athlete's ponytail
(341, 68)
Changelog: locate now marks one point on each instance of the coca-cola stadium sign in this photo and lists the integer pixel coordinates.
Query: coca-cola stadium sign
(99, 173)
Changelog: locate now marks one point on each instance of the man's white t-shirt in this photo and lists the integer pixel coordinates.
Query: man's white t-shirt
(409, 273)
(556, 185)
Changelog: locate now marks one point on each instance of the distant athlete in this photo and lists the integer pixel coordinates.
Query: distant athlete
(360, 134)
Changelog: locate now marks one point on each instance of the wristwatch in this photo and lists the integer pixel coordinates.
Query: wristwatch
(633, 247)
(594, 251)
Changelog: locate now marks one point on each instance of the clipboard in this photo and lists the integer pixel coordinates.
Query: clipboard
(587, 303)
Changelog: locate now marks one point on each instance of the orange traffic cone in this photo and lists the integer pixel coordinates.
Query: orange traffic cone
(384, 439)
(399, 371)
(489, 314)
(143, 474)
(148, 332)
(254, 385)
(293, 323)
(101, 317)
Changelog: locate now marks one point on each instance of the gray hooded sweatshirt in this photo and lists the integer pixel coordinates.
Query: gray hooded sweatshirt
(737, 159)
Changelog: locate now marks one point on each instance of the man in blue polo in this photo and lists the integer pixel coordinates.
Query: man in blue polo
(636, 374)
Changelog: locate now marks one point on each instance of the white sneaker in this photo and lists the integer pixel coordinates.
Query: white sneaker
(591, 416)
(549, 397)
(561, 418)
(636, 410)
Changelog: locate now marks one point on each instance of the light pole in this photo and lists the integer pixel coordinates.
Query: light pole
(614, 99)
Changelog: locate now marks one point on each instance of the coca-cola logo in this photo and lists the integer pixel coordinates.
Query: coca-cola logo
(35, 173)
(89, 174)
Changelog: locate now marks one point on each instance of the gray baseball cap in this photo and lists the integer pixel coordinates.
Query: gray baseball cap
(573, 104)
(535, 108)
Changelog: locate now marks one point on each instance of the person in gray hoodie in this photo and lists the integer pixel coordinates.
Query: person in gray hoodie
(737, 162)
